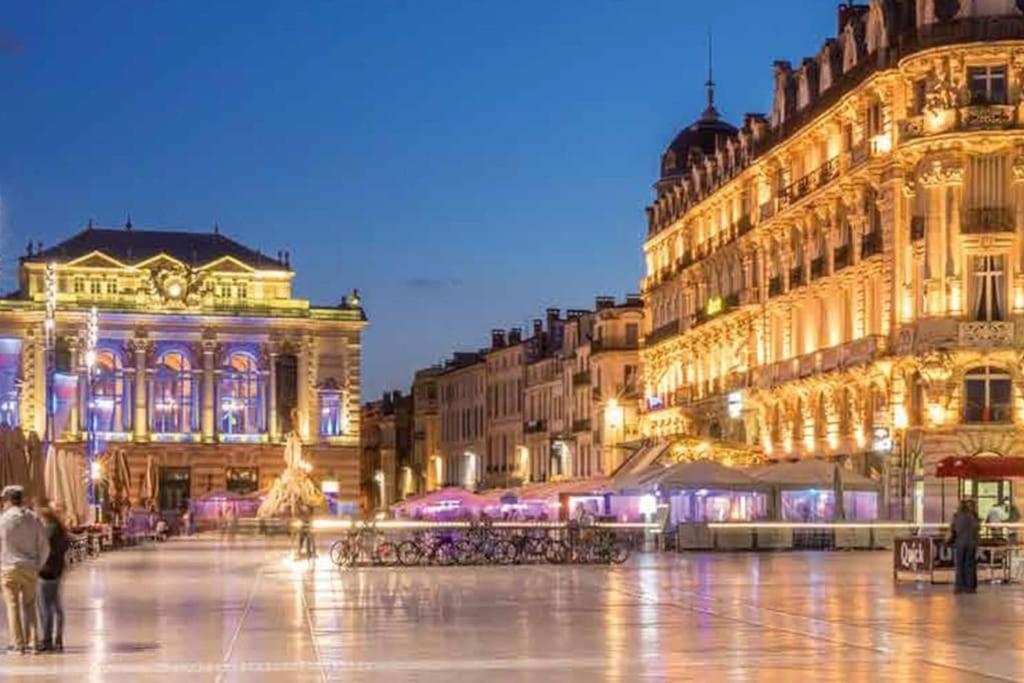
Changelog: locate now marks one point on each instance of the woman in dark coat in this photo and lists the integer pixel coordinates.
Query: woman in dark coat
(965, 531)
(51, 608)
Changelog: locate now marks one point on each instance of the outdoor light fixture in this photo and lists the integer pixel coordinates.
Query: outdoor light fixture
(936, 413)
(95, 471)
(648, 504)
(734, 404)
(899, 416)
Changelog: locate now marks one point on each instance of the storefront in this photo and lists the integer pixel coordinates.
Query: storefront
(986, 479)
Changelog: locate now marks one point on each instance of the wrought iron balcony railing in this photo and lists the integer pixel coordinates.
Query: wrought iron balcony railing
(977, 221)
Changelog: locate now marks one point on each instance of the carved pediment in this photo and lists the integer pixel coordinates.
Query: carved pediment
(96, 259)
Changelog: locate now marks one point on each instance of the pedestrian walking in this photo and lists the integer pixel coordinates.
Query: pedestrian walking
(51, 608)
(24, 549)
(964, 535)
(306, 546)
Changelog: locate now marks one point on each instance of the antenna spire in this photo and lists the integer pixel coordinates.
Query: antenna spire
(710, 112)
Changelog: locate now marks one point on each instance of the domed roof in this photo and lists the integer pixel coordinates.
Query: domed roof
(704, 134)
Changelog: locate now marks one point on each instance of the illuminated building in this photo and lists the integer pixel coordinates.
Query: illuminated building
(426, 445)
(844, 278)
(203, 357)
(386, 466)
(462, 392)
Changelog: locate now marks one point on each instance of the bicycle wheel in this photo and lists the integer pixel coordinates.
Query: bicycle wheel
(445, 554)
(620, 553)
(556, 552)
(386, 554)
(341, 553)
(408, 554)
(504, 552)
(466, 553)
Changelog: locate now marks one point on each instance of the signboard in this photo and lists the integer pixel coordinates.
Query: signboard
(881, 441)
(715, 306)
(913, 555)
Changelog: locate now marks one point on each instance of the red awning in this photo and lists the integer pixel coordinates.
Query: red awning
(980, 468)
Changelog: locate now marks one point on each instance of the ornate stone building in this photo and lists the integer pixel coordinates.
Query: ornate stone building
(203, 359)
(844, 278)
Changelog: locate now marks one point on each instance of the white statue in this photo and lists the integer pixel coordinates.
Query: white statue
(294, 488)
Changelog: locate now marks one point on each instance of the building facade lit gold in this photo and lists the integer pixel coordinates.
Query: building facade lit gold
(844, 278)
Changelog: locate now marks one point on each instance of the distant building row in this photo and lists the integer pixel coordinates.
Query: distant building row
(556, 404)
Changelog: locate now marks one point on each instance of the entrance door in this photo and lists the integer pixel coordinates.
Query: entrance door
(175, 487)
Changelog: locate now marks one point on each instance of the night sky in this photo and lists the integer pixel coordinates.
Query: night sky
(464, 164)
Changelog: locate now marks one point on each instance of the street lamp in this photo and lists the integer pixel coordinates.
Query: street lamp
(92, 331)
(49, 339)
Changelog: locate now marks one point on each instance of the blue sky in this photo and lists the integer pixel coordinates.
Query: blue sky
(465, 164)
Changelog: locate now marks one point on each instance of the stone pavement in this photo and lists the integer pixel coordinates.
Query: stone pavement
(211, 610)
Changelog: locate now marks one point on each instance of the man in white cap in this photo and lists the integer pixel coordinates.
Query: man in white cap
(23, 550)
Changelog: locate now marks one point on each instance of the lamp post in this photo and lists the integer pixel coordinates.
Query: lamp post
(49, 339)
(92, 329)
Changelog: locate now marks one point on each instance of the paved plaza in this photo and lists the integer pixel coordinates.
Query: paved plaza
(205, 609)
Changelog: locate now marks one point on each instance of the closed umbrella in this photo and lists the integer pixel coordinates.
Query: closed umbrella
(36, 465)
(839, 510)
(151, 481)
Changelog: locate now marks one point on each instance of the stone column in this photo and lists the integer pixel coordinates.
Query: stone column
(78, 407)
(141, 416)
(209, 348)
(302, 394)
(272, 423)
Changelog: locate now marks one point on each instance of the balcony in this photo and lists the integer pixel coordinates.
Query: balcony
(840, 257)
(580, 426)
(581, 378)
(774, 286)
(818, 267)
(535, 426)
(871, 244)
(600, 345)
(917, 228)
(980, 221)
(985, 333)
(662, 333)
(766, 210)
(986, 116)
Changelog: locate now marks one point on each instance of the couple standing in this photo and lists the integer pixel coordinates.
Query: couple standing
(32, 550)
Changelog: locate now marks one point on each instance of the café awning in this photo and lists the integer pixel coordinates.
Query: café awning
(980, 467)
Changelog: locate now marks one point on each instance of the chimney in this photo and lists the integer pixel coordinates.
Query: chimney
(497, 339)
(634, 300)
(515, 335)
(603, 302)
(554, 313)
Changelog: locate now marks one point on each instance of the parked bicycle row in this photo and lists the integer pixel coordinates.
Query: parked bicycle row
(480, 545)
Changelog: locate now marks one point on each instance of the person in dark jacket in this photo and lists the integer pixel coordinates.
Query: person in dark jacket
(965, 532)
(51, 609)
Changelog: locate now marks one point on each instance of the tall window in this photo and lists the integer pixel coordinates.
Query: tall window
(988, 301)
(10, 361)
(988, 395)
(108, 406)
(330, 413)
(175, 407)
(987, 84)
(241, 396)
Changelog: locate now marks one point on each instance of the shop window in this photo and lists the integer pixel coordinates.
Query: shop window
(175, 389)
(240, 395)
(988, 395)
(987, 84)
(242, 480)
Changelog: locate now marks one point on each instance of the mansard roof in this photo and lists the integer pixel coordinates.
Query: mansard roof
(131, 246)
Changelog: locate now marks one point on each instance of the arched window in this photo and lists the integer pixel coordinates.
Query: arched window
(240, 397)
(175, 393)
(109, 404)
(332, 414)
(988, 395)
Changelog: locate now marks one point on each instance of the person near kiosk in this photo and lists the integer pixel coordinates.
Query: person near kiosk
(963, 535)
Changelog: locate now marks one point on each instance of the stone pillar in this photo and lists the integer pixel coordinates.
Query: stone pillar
(208, 421)
(272, 423)
(78, 407)
(141, 416)
(302, 394)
